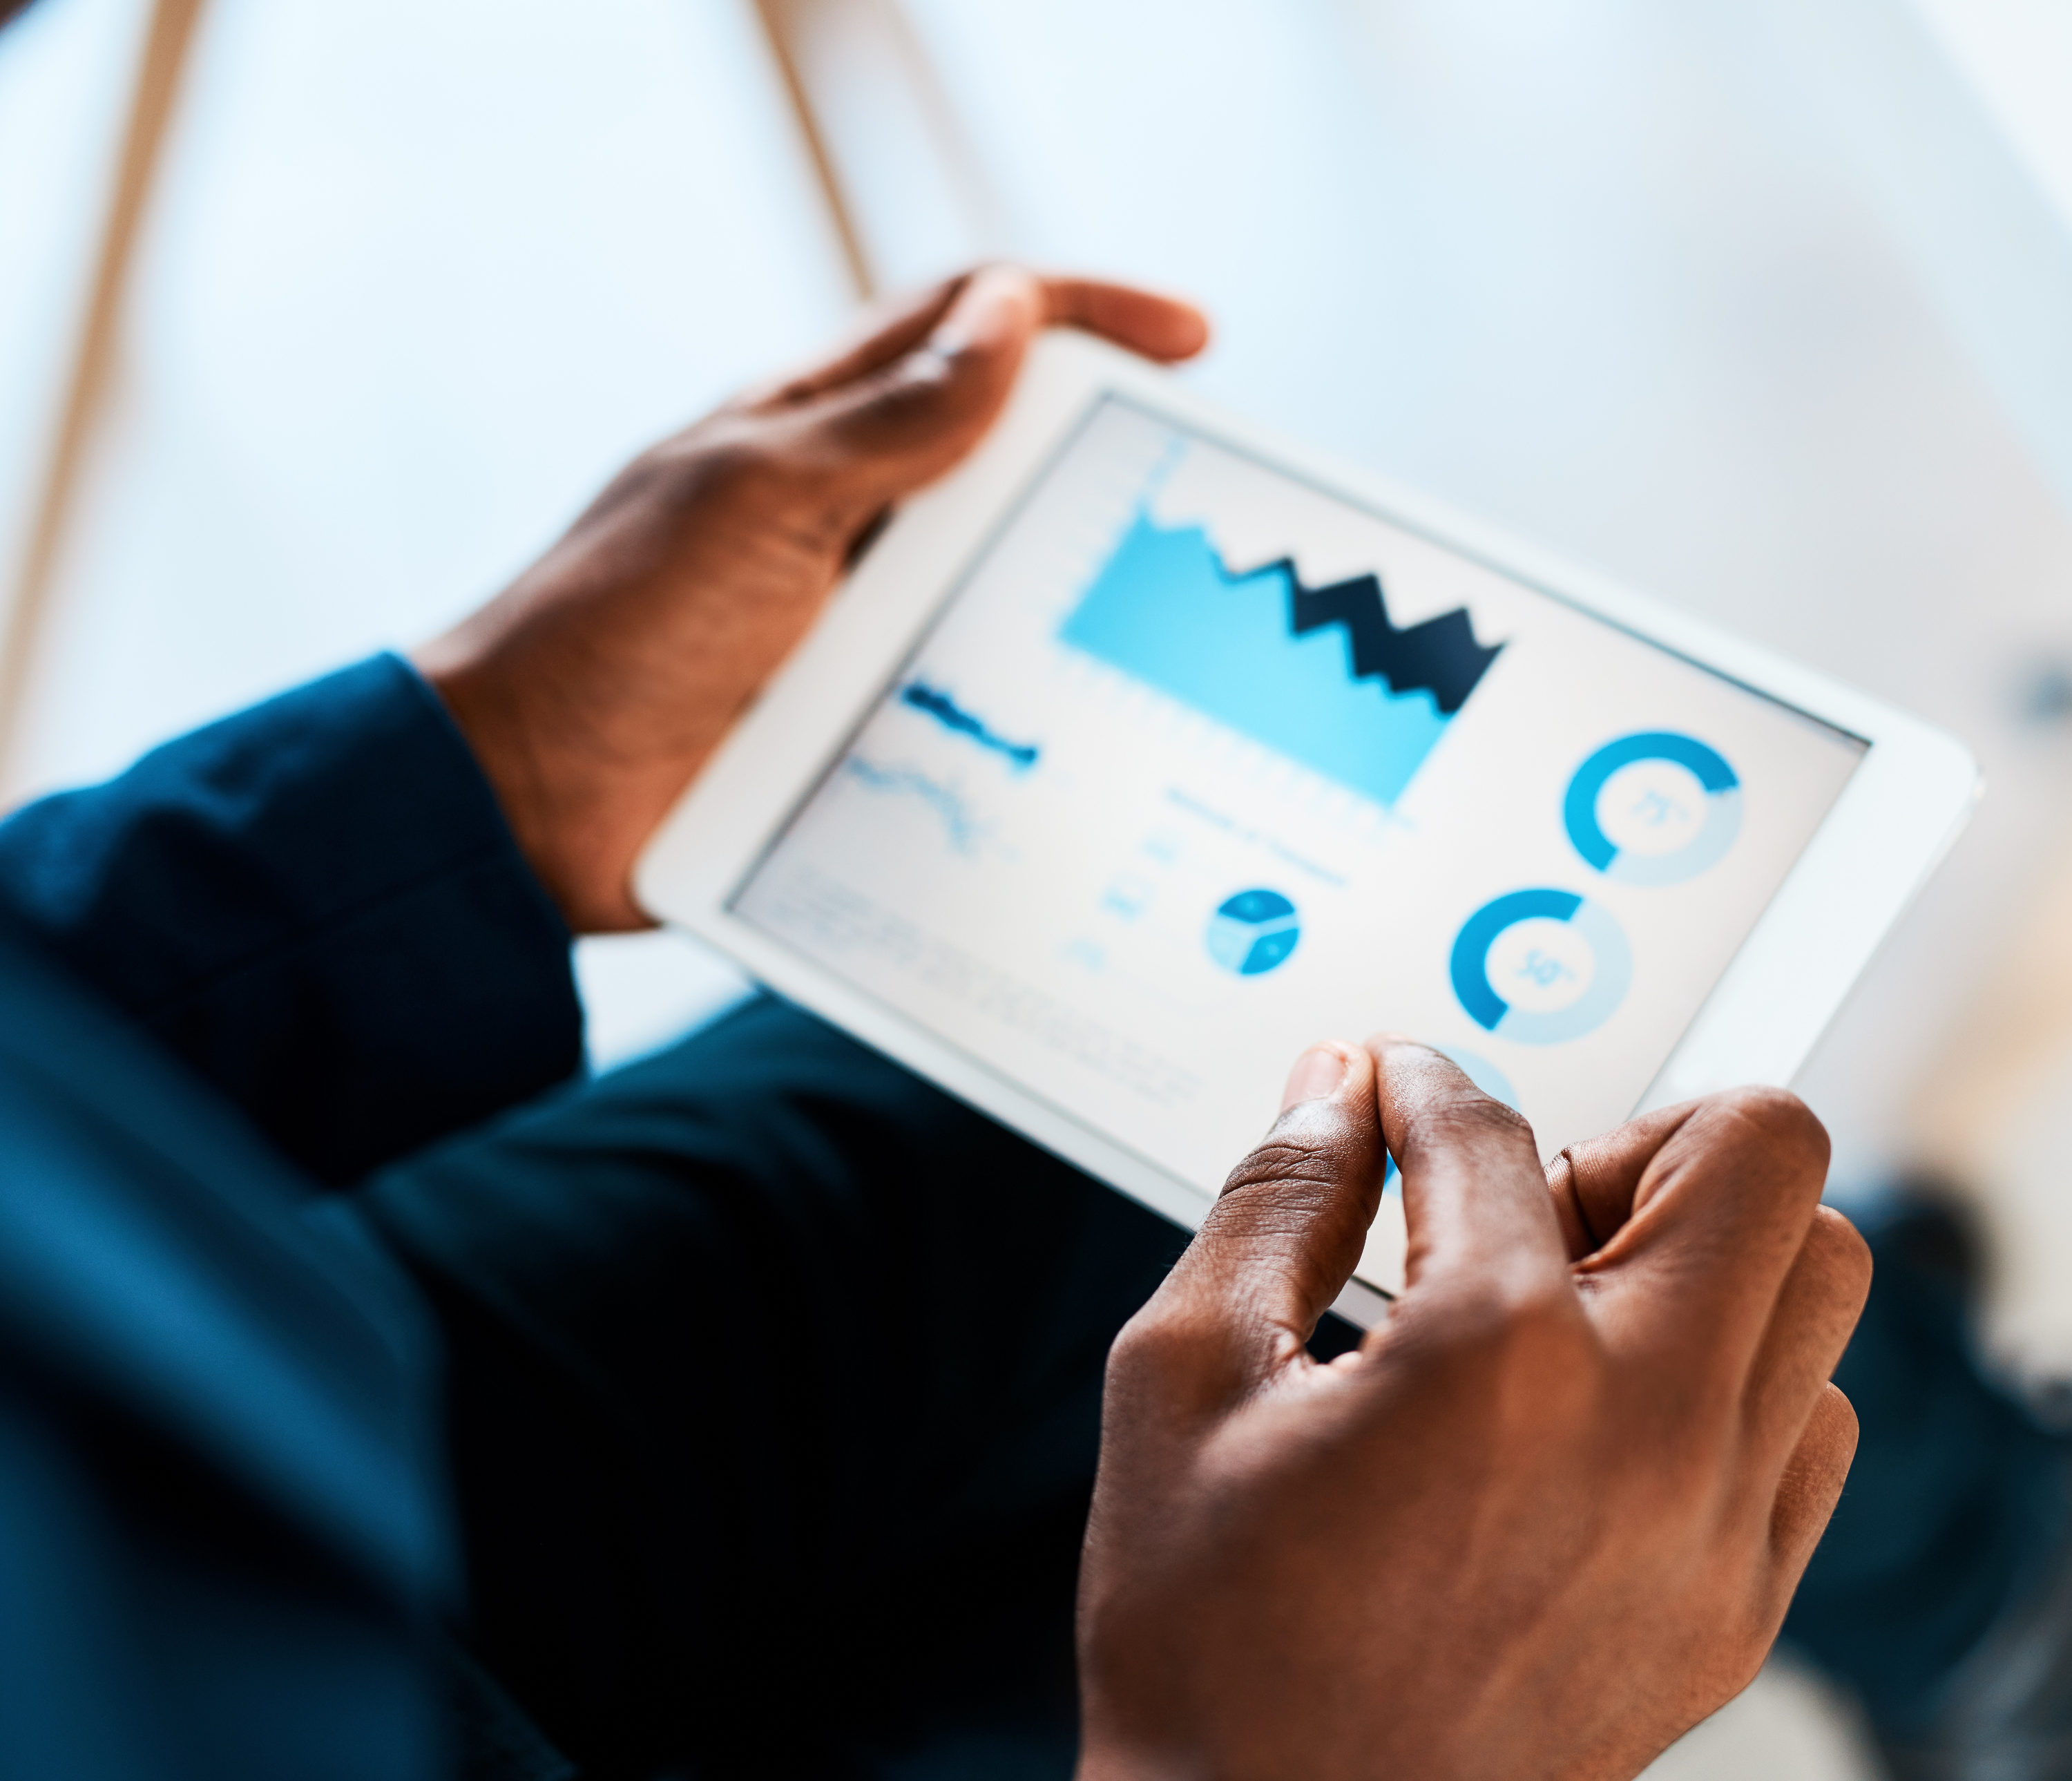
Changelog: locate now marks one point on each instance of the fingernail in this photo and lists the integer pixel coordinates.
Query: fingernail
(1318, 1073)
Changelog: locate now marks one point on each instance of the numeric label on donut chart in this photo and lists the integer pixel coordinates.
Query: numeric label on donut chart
(1540, 966)
(1655, 808)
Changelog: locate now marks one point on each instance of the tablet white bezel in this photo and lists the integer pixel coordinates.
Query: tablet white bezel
(1897, 814)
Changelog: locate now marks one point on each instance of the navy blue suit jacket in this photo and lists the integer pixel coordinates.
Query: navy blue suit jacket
(272, 955)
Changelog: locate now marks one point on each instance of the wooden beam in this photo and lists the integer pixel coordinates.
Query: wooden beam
(151, 104)
(781, 25)
(854, 70)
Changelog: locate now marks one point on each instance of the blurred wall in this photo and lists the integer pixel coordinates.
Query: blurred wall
(1753, 305)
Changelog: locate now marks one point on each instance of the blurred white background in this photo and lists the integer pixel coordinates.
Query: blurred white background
(1765, 305)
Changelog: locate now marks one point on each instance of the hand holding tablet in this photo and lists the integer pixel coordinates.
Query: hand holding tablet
(595, 686)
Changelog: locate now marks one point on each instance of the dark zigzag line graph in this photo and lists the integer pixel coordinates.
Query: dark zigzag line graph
(1254, 649)
(1439, 654)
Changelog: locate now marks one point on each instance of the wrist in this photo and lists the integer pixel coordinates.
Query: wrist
(552, 823)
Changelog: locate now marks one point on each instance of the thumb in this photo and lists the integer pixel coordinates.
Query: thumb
(1281, 1241)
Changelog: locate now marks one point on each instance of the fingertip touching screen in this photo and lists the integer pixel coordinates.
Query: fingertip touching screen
(1200, 762)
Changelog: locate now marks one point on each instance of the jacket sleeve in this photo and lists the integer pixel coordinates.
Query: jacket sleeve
(317, 904)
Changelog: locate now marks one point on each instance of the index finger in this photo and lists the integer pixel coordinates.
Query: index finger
(1474, 1197)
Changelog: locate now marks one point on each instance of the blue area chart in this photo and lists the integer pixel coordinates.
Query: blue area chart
(1482, 992)
(1253, 932)
(1322, 674)
(1708, 832)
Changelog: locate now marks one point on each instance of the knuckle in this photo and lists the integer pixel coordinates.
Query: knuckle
(1834, 1431)
(1847, 1437)
(916, 378)
(1281, 1161)
(1161, 1341)
(1838, 1250)
(919, 391)
(1780, 1123)
(1472, 1123)
(1171, 1364)
(999, 269)
(997, 264)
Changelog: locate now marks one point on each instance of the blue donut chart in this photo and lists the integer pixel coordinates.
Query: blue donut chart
(1715, 835)
(1608, 981)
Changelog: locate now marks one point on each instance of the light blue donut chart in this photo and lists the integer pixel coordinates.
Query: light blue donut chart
(1608, 981)
(1253, 932)
(1715, 835)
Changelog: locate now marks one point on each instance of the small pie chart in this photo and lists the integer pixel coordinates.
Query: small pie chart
(1540, 966)
(1655, 808)
(1253, 932)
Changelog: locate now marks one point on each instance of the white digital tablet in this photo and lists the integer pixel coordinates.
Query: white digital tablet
(1145, 749)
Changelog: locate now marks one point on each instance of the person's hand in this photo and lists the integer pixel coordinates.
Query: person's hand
(594, 689)
(1547, 1516)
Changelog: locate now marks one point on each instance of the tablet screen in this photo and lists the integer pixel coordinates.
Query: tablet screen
(1199, 763)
